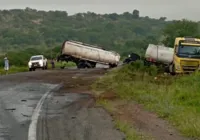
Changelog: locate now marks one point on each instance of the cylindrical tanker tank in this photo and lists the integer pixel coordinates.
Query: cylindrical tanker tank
(90, 53)
(160, 53)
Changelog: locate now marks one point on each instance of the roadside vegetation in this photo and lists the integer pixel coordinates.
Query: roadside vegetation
(174, 98)
(128, 129)
(13, 70)
(31, 28)
(17, 69)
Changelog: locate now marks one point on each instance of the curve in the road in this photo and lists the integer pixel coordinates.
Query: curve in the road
(32, 135)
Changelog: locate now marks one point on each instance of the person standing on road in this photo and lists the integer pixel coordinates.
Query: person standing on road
(52, 64)
(6, 64)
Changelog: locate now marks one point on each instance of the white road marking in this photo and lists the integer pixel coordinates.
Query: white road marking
(32, 133)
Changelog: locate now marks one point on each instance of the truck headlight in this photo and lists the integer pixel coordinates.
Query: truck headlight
(178, 66)
(29, 63)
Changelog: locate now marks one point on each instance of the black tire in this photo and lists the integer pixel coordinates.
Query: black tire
(173, 70)
(62, 67)
(30, 69)
(112, 65)
(166, 69)
(81, 65)
(88, 65)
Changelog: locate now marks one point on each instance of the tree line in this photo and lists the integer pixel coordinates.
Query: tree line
(28, 32)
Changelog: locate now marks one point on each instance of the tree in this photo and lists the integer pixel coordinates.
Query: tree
(179, 28)
(127, 15)
(163, 18)
(136, 14)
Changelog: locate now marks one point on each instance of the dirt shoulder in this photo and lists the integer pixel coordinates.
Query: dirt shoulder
(147, 125)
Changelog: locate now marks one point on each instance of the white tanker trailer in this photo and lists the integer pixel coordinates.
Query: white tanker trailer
(86, 56)
(159, 54)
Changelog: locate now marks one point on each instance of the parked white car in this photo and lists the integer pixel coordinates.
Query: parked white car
(37, 61)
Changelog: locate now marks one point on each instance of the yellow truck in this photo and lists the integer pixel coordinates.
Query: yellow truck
(184, 57)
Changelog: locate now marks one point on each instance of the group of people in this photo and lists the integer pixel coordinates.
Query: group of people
(6, 64)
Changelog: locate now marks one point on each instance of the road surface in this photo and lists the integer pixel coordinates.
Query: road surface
(53, 105)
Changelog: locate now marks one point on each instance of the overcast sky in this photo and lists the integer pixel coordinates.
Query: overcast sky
(172, 9)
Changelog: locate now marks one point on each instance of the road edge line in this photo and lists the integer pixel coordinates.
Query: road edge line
(32, 132)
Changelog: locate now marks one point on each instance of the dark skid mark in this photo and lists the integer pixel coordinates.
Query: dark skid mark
(10, 109)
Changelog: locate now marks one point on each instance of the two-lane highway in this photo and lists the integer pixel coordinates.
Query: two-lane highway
(53, 104)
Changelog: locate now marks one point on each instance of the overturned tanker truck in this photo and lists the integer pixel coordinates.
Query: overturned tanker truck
(87, 56)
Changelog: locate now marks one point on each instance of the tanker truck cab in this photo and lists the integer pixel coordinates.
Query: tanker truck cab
(186, 57)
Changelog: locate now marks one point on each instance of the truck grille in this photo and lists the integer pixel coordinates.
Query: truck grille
(35, 64)
(190, 68)
(189, 65)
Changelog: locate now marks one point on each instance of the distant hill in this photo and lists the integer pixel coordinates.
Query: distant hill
(125, 32)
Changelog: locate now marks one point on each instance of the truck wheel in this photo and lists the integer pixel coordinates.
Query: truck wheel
(172, 72)
(81, 65)
(30, 69)
(112, 65)
(166, 69)
(88, 65)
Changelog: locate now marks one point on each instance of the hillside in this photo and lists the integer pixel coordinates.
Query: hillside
(120, 32)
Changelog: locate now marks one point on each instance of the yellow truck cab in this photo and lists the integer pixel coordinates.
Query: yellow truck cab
(186, 57)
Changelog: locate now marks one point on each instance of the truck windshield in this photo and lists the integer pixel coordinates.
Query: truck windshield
(36, 58)
(189, 51)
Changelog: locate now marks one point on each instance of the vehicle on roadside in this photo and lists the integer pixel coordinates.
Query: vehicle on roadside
(87, 56)
(37, 61)
(131, 58)
(184, 57)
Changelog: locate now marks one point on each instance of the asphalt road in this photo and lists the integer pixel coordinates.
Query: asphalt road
(17, 102)
(41, 105)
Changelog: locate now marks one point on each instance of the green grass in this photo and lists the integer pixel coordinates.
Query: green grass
(17, 69)
(174, 98)
(66, 64)
(13, 70)
(130, 132)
